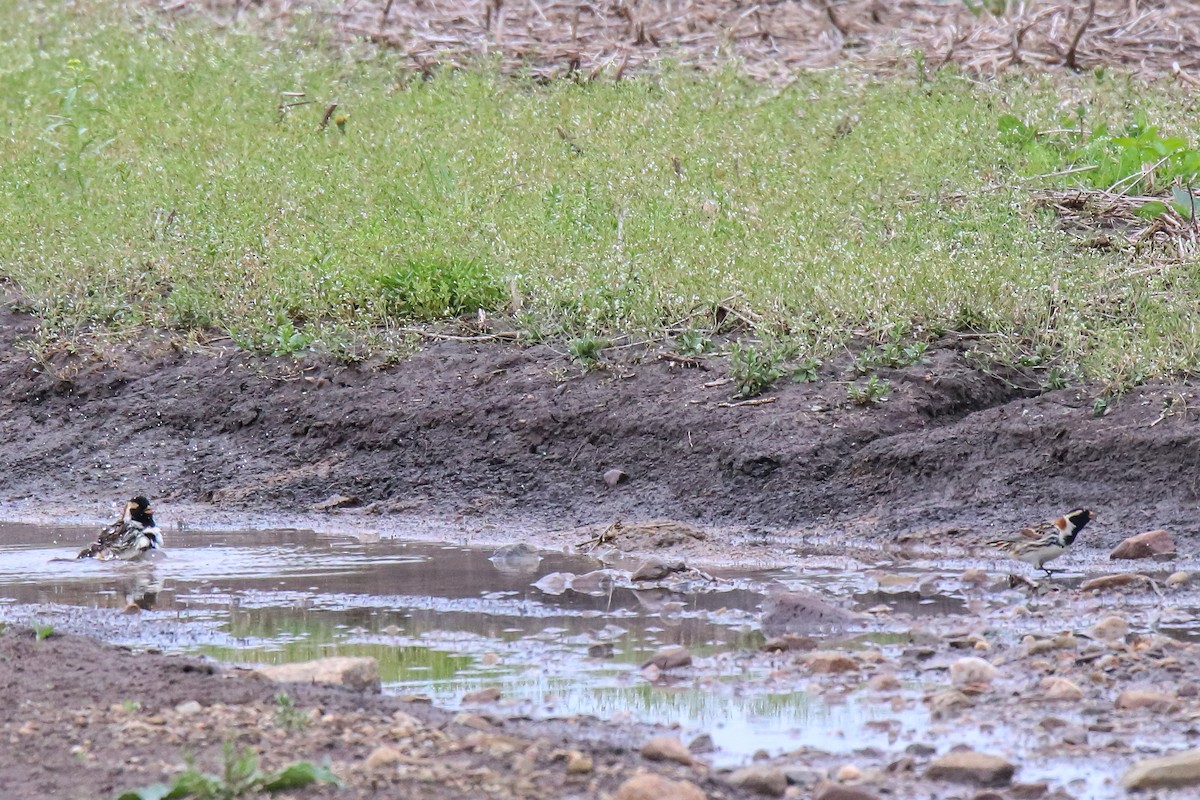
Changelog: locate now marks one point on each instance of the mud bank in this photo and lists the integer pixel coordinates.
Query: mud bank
(472, 433)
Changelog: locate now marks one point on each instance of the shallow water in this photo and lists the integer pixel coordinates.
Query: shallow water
(444, 620)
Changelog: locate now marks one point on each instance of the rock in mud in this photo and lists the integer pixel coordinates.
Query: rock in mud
(836, 791)
(788, 642)
(883, 682)
(802, 613)
(666, 748)
(189, 708)
(615, 477)
(336, 501)
(555, 583)
(972, 671)
(1055, 689)
(597, 582)
(516, 559)
(974, 577)
(760, 779)
(1121, 580)
(669, 658)
(654, 569)
(828, 662)
(1028, 791)
(1144, 698)
(1167, 772)
(655, 787)
(1151, 544)
(1109, 629)
(579, 764)
(702, 744)
(1178, 579)
(383, 757)
(969, 766)
(489, 694)
(358, 673)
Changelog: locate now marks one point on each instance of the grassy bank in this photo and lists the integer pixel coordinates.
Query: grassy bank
(153, 180)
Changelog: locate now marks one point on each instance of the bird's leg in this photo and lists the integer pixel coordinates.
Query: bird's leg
(1050, 572)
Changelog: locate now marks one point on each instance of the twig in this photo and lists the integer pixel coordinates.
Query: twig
(1087, 20)
(1183, 76)
(328, 113)
(757, 401)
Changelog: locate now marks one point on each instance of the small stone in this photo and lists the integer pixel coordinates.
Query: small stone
(1075, 736)
(648, 786)
(1028, 791)
(836, 791)
(803, 776)
(596, 582)
(132, 608)
(1180, 578)
(335, 501)
(579, 764)
(829, 662)
(666, 748)
(972, 671)
(1055, 689)
(615, 477)
(759, 779)
(1110, 629)
(188, 708)
(601, 650)
(884, 682)
(669, 658)
(789, 642)
(1142, 698)
(1167, 772)
(974, 577)
(1156, 544)
(702, 744)
(969, 766)
(354, 672)
(489, 694)
(654, 569)
(1120, 580)
(987, 794)
(948, 700)
(803, 613)
(847, 773)
(382, 757)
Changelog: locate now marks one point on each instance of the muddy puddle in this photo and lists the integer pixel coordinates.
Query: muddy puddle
(445, 620)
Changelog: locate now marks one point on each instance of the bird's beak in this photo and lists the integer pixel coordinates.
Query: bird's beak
(149, 510)
(128, 510)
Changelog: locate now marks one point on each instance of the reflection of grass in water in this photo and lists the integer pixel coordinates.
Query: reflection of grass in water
(396, 664)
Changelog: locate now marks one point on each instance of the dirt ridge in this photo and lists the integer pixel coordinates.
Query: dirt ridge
(496, 430)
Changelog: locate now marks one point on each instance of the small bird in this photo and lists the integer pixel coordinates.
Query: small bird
(1045, 541)
(129, 537)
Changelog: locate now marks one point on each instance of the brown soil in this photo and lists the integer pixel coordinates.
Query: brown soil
(770, 40)
(497, 433)
(87, 720)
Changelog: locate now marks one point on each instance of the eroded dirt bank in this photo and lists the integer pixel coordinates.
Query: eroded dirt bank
(493, 431)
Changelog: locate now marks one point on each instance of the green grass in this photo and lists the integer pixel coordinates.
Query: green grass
(151, 181)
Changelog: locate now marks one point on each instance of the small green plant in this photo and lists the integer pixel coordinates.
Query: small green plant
(892, 354)
(586, 350)
(42, 631)
(288, 340)
(1100, 406)
(692, 343)
(806, 371)
(131, 706)
(869, 392)
(430, 288)
(240, 777)
(751, 370)
(1137, 160)
(287, 716)
(1055, 379)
